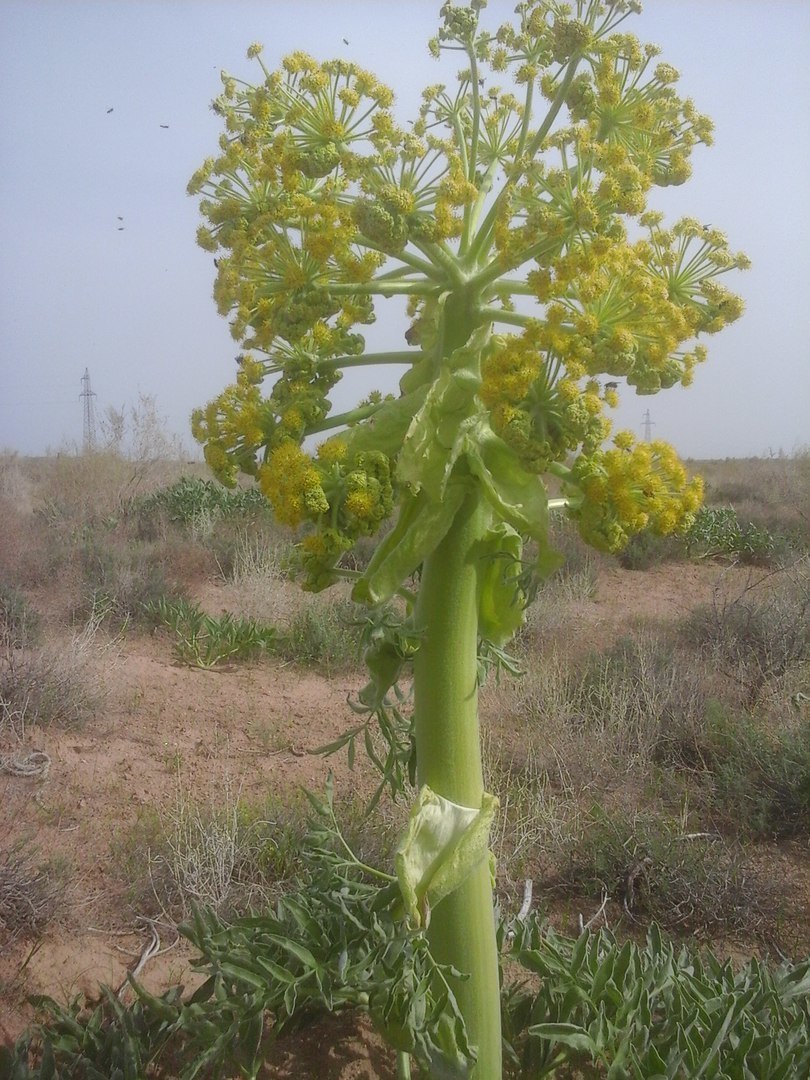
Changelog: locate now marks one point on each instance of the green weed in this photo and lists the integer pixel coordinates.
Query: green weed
(197, 503)
(204, 641)
(717, 531)
(610, 1009)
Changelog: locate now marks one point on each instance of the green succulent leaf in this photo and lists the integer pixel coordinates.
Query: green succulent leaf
(437, 434)
(385, 430)
(421, 525)
(500, 597)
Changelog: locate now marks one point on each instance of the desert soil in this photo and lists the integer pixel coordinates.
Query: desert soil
(248, 731)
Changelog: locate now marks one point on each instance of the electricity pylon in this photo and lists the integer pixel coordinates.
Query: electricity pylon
(648, 425)
(89, 440)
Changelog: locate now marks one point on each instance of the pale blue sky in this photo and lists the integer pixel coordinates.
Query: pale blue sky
(134, 306)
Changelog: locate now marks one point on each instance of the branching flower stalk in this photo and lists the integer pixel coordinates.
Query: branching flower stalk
(513, 216)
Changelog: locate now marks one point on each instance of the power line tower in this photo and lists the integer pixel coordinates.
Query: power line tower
(89, 440)
(648, 425)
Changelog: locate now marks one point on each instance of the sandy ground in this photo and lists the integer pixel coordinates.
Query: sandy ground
(249, 731)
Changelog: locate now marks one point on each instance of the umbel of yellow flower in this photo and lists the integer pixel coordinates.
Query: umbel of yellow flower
(318, 203)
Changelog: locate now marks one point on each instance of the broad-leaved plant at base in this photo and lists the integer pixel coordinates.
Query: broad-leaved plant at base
(513, 216)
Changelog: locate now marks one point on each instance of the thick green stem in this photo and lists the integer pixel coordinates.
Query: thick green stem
(448, 750)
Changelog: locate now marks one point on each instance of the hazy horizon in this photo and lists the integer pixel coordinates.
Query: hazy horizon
(106, 110)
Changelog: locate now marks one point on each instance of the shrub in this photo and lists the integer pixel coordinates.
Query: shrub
(535, 820)
(657, 871)
(256, 553)
(30, 894)
(718, 531)
(228, 857)
(53, 686)
(757, 635)
(327, 635)
(121, 578)
(19, 623)
(641, 699)
(647, 549)
(772, 492)
(760, 780)
(196, 504)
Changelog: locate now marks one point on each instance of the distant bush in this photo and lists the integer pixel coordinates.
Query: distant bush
(773, 492)
(326, 635)
(192, 501)
(760, 780)
(658, 871)
(52, 686)
(121, 577)
(757, 635)
(647, 549)
(718, 531)
(640, 698)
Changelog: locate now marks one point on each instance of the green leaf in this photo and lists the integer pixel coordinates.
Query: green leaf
(274, 970)
(500, 598)
(436, 436)
(338, 744)
(242, 974)
(301, 952)
(420, 527)
(568, 1034)
(580, 948)
(516, 495)
(386, 429)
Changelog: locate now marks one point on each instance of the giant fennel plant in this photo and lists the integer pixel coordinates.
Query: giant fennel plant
(513, 216)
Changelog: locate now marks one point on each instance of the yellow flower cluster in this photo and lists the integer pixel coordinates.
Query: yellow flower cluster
(627, 310)
(241, 422)
(542, 415)
(235, 425)
(625, 105)
(292, 484)
(273, 199)
(339, 496)
(631, 487)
